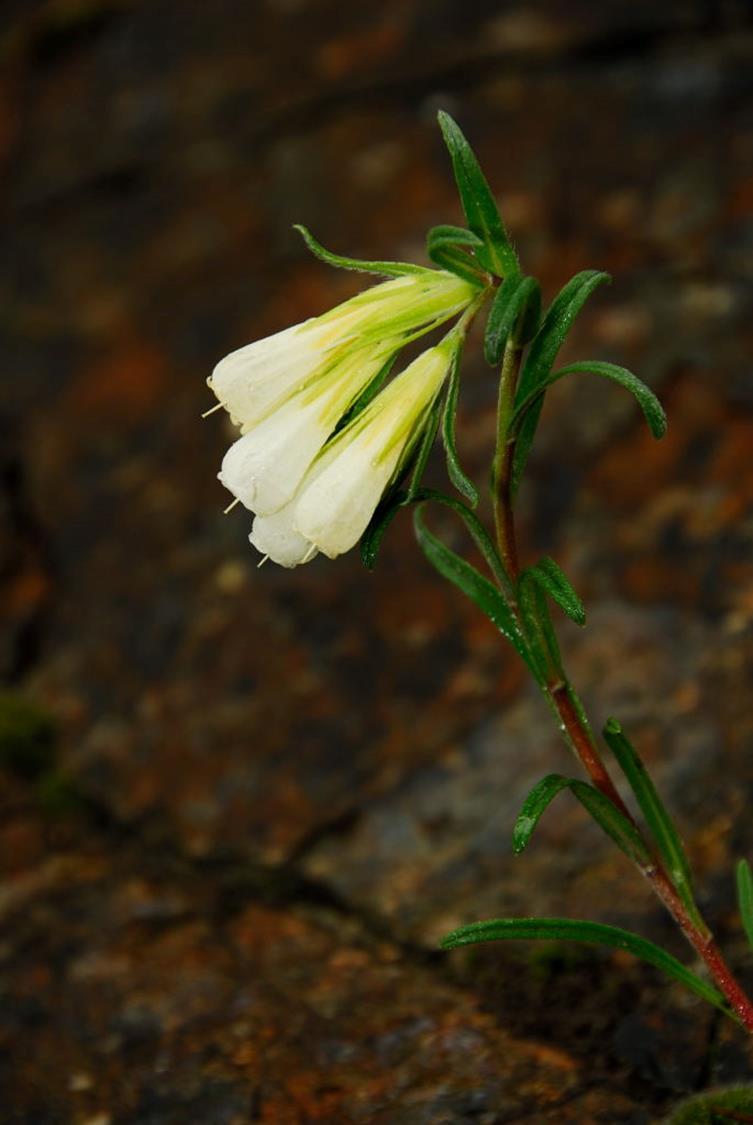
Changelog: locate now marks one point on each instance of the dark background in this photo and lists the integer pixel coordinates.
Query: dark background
(241, 806)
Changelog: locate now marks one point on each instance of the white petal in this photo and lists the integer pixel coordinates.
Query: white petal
(252, 380)
(264, 467)
(339, 497)
(334, 511)
(276, 537)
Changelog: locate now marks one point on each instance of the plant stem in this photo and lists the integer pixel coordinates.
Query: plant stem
(504, 459)
(574, 725)
(581, 741)
(699, 936)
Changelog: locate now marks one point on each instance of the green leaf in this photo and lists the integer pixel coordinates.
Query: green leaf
(745, 898)
(515, 311)
(537, 626)
(656, 816)
(647, 400)
(542, 794)
(609, 818)
(371, 540)
(525, 432)
(462, 482)
(481, 212)
(542, 354)
(454, 260)
(555, 582)
(424, 449)
(625, 835)
(571, 929)
(557, 323)
(442, 244)
(477, 531)
(473, 584)
(386, 269)
(445, 234)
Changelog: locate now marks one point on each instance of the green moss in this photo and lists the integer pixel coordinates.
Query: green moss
(716, 1107)
(27, 736)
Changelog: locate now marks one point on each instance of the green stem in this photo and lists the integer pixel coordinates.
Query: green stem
(503, 460)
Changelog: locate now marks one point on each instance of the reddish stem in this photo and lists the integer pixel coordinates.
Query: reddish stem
(702, 942)
(584, 747)
(574, 725)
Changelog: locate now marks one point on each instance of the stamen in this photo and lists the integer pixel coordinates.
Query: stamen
(217, 406)
(231, 506)
(261, 564)
(309, 554)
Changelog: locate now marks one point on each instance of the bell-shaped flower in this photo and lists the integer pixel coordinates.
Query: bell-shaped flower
(340, 492)
(265, 466)
(255, 380)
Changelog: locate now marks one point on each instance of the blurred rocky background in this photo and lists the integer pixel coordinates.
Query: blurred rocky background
(240, 806)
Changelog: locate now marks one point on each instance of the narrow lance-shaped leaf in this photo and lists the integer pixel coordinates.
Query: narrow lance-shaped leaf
(473, 584)
(645, 397)
(534, 615)
(542, 354)
(515, 310)
(459, 478)
(571, 929)
(442, 246)
(424, 449)
(557, 323)
(400, 498)
(557, 585)
(656, 816)
(478, 203)
(455, 261)
(539, 798)
(478, 533)
(745, 898)
(386, 269)
(538, 625)
(371, 540)
(623, 832)
(609, 818)
(445, 234)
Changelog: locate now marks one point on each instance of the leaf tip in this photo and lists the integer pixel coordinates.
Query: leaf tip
(450, 941)
(658, 424)
(612, 726)
(521, 833)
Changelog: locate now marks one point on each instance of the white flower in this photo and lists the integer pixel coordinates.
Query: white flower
(253, 381)
(263, 468)
(340, 492)
(290, 391)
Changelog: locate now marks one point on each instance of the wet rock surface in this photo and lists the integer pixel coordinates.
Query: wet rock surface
(269, 792)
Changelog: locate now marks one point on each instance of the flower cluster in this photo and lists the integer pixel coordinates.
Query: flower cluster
(309, 463)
